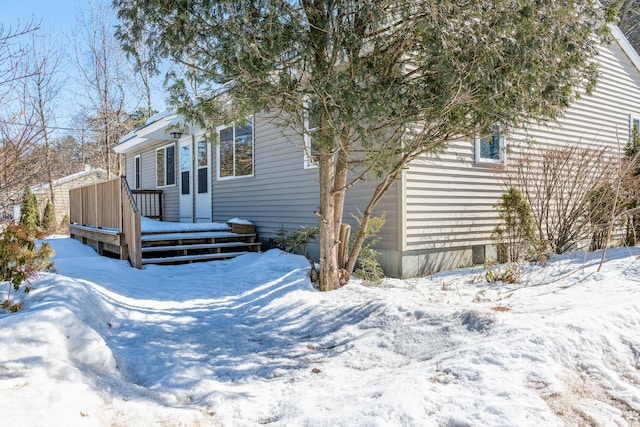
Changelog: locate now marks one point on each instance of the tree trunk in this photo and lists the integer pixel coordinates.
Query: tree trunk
(380, 191)
(329, 270)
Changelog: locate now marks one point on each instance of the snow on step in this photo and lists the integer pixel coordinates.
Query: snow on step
(191, 236)
(185, 258)
(197, 246)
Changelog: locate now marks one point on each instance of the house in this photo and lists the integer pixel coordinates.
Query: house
(439, 215)
(61, 189)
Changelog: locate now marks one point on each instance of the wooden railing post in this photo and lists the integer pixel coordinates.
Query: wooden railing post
(131, 225)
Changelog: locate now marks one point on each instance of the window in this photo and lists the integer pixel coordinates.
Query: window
(235, 150)
(491, 148)
(185, 169)
(165, 166)
(203, 167)
(634, 128)
(136, 172)
(311, 124)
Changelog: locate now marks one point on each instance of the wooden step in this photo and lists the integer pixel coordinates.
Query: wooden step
(180, 237)
(147, 249)
(188, 258)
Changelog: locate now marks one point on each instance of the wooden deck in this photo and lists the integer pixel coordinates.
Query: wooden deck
(118, 230)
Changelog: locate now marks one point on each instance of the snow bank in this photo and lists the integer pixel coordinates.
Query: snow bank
(249, 341)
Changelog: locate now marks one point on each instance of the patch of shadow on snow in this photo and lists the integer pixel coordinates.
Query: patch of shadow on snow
(476, 321)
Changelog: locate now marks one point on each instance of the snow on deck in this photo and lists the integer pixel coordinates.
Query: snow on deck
(152, 226)
(188, 236)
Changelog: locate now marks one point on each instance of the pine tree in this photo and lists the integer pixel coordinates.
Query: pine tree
(29, 214)
(385, 81)
(49, 222)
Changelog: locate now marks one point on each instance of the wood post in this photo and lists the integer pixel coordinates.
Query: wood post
(343, 248)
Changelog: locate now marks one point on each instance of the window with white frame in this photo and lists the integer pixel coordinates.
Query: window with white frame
(136, 172)
(634, 127)
(185, 169)
(166, 166)
(235, 150)
(203, 167)
(311, 126)
(491, 148)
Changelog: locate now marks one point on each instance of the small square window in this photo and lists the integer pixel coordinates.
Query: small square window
(491, 148)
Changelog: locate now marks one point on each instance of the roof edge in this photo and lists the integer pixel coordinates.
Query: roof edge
(625, 45)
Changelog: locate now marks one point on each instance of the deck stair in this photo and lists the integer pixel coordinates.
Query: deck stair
(182, 246)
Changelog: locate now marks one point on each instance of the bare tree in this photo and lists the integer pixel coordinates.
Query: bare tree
(12, 58)
(43, 88)
(630, 21)
(16, 132)
(20, 155)
(100, 62)
(146, 69)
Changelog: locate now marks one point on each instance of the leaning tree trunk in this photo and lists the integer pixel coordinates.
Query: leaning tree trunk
(380, 190)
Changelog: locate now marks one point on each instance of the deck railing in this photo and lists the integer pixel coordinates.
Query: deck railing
(131, 230)
(96, 205)
(109, 206)
(149, 203)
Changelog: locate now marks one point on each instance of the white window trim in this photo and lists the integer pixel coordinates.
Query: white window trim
(198, 167)
(253, 151)
(309, 163)
(633, 118)
(137, 174)
(164, 147)
(502, 152)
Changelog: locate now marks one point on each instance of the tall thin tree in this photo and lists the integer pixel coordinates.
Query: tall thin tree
(100, 62)
(43, 88)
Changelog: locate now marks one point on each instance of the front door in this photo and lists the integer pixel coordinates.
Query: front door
(186, 179)
(203, 181)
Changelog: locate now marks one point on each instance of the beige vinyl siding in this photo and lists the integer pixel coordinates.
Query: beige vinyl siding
(170, 194)
(282, 193)
(450, 200)
(279, 194)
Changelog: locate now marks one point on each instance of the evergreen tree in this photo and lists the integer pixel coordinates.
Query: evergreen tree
(386, 81)
(49, 222)
(29, 213)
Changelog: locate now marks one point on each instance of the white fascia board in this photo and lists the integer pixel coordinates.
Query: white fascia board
(142, 136)
(625, 45)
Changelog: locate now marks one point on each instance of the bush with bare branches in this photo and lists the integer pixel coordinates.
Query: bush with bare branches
(575, 193)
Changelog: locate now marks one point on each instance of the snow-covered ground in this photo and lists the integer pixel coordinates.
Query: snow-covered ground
(250, 342)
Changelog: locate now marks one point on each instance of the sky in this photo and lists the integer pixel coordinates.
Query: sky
(60, 19)
(56, 15)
